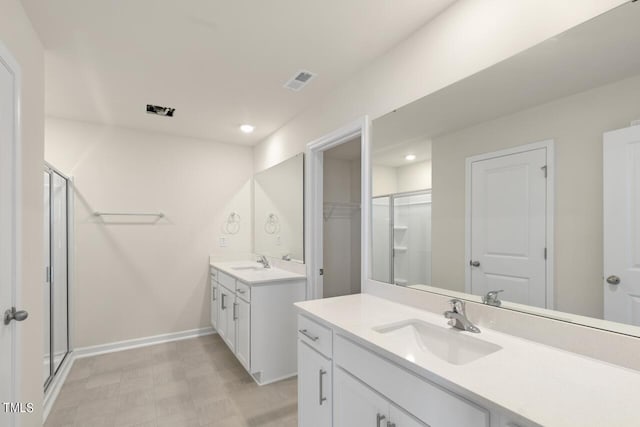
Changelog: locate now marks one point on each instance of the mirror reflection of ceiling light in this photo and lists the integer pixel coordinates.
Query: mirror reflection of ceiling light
(410, 157)
(247, 128)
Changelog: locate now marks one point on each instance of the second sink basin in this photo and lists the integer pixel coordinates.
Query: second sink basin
(448, 344)
(247, 268)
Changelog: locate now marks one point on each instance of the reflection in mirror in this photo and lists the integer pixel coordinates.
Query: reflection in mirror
(279, 210)
(533, 165)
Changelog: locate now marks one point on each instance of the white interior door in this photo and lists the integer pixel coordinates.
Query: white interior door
(621, 198)
(8, 232)
(508, 225)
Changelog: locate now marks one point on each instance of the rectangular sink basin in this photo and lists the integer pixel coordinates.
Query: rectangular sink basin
(247, 268)
(449, 344)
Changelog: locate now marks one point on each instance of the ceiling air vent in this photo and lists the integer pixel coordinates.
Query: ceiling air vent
(160, 111)
(300, 80)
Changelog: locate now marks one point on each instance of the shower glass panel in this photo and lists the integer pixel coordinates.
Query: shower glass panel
(381, 238)
(56, 273)
(412, 239)
(47, 285)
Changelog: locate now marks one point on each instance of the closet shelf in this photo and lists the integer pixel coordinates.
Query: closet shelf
(400, 227)
(400, 248)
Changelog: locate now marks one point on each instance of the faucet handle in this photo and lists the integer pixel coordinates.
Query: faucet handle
(457, 305)
(491, 298)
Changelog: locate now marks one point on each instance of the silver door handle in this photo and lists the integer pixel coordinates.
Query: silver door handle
(613, 280)
(474, 263)
(12, 314)
(213, 294)
(222, 306)
(390, 424)
(235, 317)
(321, 373)
(308, 335)
(379, 419)
(240, 291)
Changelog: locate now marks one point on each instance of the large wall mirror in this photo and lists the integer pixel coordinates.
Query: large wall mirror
(278, 210)
(523, 178)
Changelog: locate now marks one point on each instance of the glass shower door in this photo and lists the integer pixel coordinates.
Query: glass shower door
(56, 273)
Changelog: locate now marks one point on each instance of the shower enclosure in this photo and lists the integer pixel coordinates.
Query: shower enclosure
(402, 238)
(56, 274)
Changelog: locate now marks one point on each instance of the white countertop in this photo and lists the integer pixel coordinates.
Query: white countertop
(543, 384)
(254, 277)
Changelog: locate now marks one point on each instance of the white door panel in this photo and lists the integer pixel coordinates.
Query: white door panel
(8, 238)
(355, 404)
(314, 388)
(621, 210)
(508, 226)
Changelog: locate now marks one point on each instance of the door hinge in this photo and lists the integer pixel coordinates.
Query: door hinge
(545, 253)
(322, 271)
(544, 169)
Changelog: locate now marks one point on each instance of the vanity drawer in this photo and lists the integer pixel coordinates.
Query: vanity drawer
(423, 399)
(214, 274)
(316, 335)
(227, 281)
(243, 290)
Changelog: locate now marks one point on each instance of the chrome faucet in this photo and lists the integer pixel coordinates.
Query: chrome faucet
(491, 298)
(264, 261)
(458, 318)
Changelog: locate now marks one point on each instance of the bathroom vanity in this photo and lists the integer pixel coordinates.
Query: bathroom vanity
(366, 361)
(252, 311)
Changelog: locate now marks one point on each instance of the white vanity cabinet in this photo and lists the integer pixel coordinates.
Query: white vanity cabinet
(213, 282)
(315, 392)
(368, 390)
(357, 405)
(256, 320)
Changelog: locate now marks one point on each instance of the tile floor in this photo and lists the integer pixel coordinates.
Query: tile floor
(195, 382)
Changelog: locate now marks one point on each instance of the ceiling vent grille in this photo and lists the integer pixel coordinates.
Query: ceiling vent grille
(300, 80)
(160, 111)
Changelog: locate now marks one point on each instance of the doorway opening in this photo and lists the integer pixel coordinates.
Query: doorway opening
(342, 187)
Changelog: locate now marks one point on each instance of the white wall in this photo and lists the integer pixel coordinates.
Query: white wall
(466, 38)
(19, 37)
(136, 280)
(576, 124)
(390, 180)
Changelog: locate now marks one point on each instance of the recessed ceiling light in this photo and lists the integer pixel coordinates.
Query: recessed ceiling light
(247, 128)
(410, 157)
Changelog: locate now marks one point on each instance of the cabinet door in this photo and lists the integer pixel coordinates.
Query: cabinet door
(314, 388)
(399, 418)
(223, 308)
(231, 314)
(356, 405)
(214, 305)
(243, 336)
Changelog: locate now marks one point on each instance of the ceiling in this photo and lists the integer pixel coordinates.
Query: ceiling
(590, 55)
(219, 63)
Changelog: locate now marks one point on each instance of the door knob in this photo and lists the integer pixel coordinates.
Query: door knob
(474, 263)
(613, 280)
(12, 314)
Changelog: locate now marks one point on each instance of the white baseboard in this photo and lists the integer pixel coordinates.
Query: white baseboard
(56, 385)
(141, 342)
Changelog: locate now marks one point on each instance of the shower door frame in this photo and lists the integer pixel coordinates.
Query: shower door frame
(49, 384)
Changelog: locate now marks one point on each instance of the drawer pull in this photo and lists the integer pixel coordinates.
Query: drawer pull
(214, 294)
(308, 335)
(240, 291)
(379, 419)
(390, 424)
(321, 373)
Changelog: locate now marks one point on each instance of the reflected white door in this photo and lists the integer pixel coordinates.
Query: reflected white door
(8, 235)
(621, 197)
(508, 226)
